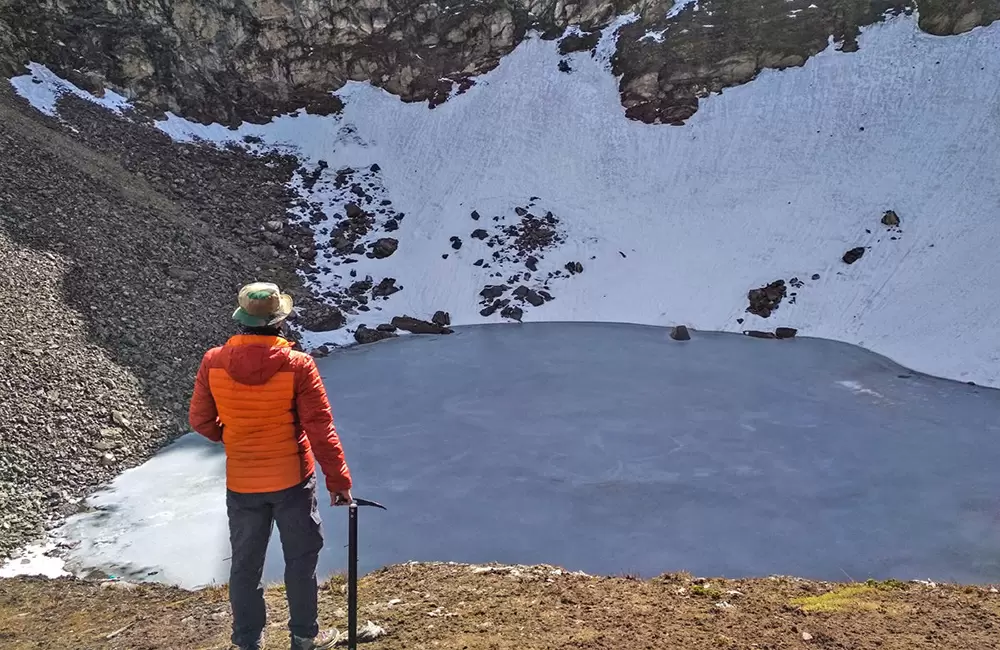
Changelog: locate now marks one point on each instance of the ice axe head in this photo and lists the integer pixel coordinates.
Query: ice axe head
(341, 501)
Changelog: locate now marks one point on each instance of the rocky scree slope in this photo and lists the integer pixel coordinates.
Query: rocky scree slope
(120, 256)
(233, 60)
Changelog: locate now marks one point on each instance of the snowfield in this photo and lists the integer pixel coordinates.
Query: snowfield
(774, 179)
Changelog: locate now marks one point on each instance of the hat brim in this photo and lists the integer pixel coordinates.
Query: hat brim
(284, 311)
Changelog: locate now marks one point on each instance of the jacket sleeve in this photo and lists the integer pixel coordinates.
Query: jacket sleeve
(202, 414)
(316, 419)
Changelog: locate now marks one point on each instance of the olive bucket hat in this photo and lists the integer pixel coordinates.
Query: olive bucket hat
(262, 304)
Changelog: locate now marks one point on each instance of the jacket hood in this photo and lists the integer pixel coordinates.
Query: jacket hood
(252, 359)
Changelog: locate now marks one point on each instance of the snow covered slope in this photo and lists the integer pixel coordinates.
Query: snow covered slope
(774, 179)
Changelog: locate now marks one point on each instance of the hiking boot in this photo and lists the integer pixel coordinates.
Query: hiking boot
(325, 640)
(258, 646)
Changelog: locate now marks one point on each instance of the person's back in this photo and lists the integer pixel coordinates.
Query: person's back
(266, 403)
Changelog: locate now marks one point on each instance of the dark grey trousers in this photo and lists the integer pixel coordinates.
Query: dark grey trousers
(251, 516)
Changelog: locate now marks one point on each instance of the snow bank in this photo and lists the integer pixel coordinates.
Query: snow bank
(774, 179)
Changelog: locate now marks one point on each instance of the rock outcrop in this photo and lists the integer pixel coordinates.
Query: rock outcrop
(232, 60)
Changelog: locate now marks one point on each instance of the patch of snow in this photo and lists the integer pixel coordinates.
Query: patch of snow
(37, 560)
(679, 6)
(608, 43)
(653, 36)
(776, 181)
(43, 88)
(857, 387)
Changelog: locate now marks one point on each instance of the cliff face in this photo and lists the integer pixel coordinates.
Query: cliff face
(230, 60)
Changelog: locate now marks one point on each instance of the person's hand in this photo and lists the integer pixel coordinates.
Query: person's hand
(341, 498)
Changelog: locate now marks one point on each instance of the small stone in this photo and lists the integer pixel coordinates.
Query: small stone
(391, 225)
(456, 243)
(806, 636)
(441, 318)
(564, 66)
(573, 268)
(121, 419)
(107, 458)
(853, 255)
(815, 276)
(478, 262)
(353, 211)
(479, 233)
(757, 334)
(475, 215)
(680, 333)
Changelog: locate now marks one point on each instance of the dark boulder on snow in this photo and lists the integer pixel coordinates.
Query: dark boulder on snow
(514, 313)
(385, 247)
(890, 218)
(757, 334)
(364, 335)
(766, 299)
(320, 317)
(417, 326)
(360, 287)
(441, 318)
(785, 332)
(385, 288)
(574, 267)
(493, 291)
(479, 233)
(456, 242)
(354, 211)
(680, 333)
(853, 255)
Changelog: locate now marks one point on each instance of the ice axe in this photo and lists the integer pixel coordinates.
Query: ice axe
(352, 569)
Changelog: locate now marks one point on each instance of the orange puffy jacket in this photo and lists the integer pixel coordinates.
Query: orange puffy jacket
(266, 403)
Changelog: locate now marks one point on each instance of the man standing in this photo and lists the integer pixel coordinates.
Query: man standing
(266, 403)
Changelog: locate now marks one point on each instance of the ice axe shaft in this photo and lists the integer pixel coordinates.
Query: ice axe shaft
(352, 569)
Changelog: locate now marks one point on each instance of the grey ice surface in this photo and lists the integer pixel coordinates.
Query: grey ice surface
(611, 449)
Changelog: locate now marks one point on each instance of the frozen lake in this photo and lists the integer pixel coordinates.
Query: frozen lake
(610, 449)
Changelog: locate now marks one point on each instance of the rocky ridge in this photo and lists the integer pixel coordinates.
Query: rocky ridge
(229, 61)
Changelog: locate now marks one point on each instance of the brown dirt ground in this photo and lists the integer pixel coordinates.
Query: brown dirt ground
(461, 607)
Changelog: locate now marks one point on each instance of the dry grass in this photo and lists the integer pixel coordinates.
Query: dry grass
(457, 607)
